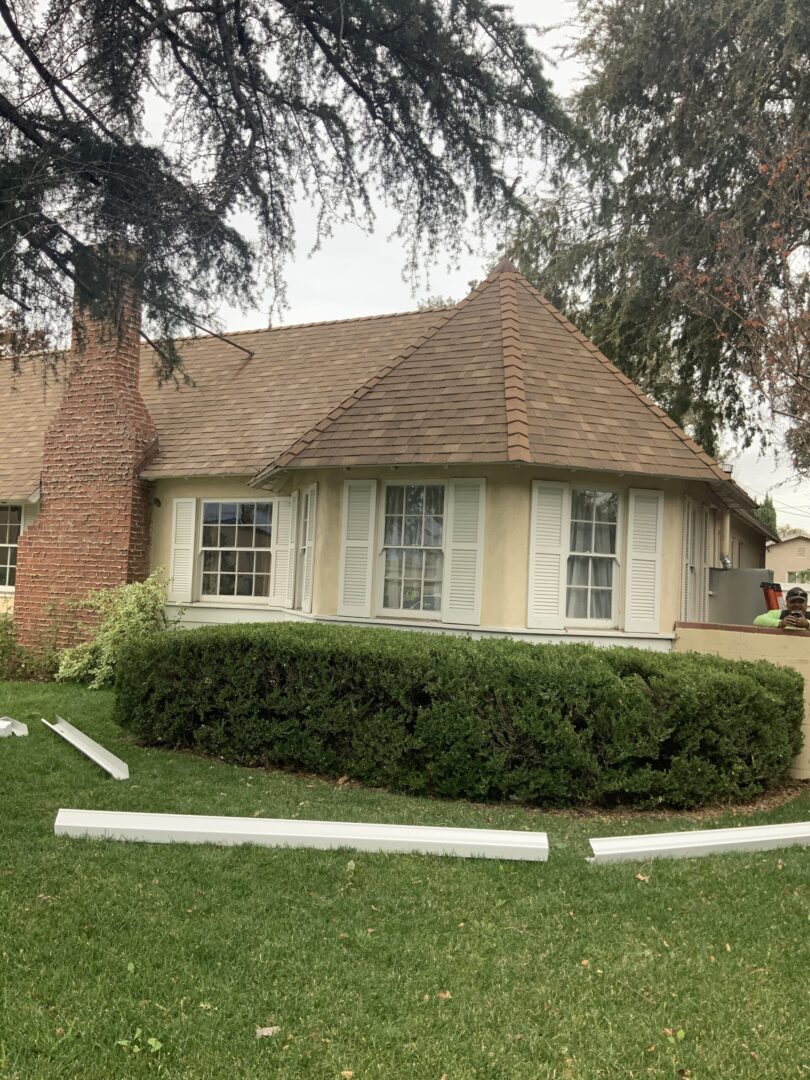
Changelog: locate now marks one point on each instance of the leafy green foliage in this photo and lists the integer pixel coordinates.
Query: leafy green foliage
(682, 248)
(126, 614)
(17, 662)
(766, 512)
(428, 103)
(474, 719)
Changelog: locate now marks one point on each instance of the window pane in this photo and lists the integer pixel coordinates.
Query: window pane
(211, 561)
(413, 564)
(262, 562)
(577, 604)
(12, 556)
(605, 539)
(12, 575)
(577, 570)
(263, 536)
(244, 536)
(227, 584)
(244, 562)
(601, 603)
(602, 573)
(434, 499)
(393, 499)
(411, 595)
(210, 536)
(393, 530)
(433, 531)
(607, 505)
(393, 563)
(244, 585)
(262, 585)
(581, 536)
(246, 513)
(5, 514)
(209, 584)
(264, 513)
(210, 513)
(414, 500)
(391, 595)
(3, 574)
(582, 505)
(13, 533)
(433, 565)
(227, 536)
(413, 531)
(432, 598)
(227, 563)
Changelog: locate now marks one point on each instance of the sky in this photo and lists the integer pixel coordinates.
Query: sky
(354, 273)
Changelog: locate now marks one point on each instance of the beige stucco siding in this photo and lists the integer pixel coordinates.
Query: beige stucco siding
(506, 529)
(788, 556)
(777, 646)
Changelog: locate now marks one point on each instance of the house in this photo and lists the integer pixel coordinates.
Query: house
(789, 558)
(480, 468)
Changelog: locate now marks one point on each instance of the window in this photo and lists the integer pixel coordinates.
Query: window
(413, 555)
(592, 558)
(10, 529)
(235, 548)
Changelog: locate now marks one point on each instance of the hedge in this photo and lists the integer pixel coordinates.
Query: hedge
(554, 725)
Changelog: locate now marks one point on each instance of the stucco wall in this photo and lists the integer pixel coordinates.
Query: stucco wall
(790, 555)
(789, 649)
(506, 532)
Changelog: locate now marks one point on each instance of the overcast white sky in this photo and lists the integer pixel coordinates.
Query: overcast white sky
(358, 274)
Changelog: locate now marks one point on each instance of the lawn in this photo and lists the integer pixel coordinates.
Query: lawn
(374, 965)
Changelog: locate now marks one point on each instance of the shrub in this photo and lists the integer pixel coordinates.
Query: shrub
(19, 663)
(551, 724)
(126, 614)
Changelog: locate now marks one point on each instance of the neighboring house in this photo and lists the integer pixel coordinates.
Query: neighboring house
(789, 558)
(481, 468)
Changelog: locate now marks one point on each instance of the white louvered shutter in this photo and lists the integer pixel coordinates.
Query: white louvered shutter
(703, 565)
(688, 552)
(548, 551)
(357, 547)
(282, 528)
(291, 557)
(181, 580)
(642, 598)
(311, 497)
(464, 552)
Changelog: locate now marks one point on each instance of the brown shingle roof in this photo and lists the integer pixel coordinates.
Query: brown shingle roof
(505, 377)
(240, 412)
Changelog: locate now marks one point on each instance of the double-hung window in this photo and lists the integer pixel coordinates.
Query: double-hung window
(413, 548)
(235, 548)
(592, 569)
(10, 529)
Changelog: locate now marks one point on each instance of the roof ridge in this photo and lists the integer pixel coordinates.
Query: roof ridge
(305, 325)
(663, 416)
(514, 385)
(286, 456)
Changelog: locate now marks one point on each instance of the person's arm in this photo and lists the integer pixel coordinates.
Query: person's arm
(768, 618)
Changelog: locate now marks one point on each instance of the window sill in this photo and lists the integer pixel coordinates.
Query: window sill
(7, 590)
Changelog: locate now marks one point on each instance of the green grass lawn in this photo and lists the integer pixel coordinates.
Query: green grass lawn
(374, 965)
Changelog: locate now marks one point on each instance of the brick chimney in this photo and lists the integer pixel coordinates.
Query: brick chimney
(92, 530)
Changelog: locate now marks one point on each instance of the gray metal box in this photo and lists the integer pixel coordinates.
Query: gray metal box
(735, 596)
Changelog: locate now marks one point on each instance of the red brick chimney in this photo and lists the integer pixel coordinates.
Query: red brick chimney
(92, 530)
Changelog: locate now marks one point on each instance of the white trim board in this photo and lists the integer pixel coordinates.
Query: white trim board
(11, 727)
(323, 835)
(118, 769)
(682, 845)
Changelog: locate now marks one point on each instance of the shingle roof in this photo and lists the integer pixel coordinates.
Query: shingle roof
(503, 377)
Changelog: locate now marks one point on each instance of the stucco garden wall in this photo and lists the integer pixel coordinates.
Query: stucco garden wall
(787, 648)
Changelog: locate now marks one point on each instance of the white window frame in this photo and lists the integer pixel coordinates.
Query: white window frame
(8, 590)
(379, 561)
(618, 576)
(230, 601)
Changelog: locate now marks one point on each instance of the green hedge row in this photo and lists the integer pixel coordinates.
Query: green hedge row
(554, 725)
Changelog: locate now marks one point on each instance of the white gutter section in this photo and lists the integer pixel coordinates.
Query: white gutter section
(683, 845)
(323, 835)
(118, 769)
(11, 727)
